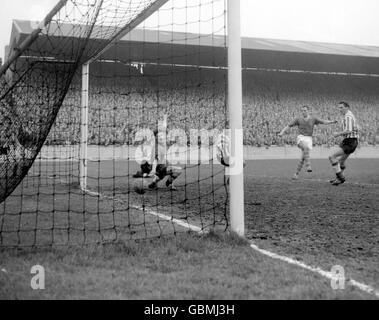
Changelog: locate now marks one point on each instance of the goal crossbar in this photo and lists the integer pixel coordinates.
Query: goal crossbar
(143, 15)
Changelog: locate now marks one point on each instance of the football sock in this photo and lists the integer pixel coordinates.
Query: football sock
(153, 185)
(340, 176)
(300, 166)
(170, 181)
(337, 168)
(307, 160)
(138, 174)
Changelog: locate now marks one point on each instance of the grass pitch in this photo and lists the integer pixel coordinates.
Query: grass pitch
(315, 222)
(187, 266)
(308, 220)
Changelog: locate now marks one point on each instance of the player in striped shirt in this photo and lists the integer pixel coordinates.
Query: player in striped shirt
(223, 152)
(348, 145)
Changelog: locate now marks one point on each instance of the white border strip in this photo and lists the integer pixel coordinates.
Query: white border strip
(326, 274)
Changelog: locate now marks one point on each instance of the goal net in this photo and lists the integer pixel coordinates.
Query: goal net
(112, 113)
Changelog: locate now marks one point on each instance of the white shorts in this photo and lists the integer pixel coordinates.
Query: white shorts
(306, 140)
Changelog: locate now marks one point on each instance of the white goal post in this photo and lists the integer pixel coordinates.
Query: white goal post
(236, 187)
(84, 127)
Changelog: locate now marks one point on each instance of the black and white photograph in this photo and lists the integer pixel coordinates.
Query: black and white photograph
(206, 152)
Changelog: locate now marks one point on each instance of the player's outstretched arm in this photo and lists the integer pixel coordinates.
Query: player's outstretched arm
(281, 133)
(327, 122)
(343, 133)
(292, 124)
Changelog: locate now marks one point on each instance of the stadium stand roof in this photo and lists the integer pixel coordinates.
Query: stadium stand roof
(209, 50)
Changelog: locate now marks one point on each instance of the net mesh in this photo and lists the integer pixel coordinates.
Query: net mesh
(171, 66)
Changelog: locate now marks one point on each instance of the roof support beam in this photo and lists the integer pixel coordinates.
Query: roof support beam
(17, 52)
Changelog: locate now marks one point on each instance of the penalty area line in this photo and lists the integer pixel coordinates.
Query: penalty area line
(326, 274)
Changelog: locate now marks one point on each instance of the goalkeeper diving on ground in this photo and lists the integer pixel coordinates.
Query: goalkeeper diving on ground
(155, 166)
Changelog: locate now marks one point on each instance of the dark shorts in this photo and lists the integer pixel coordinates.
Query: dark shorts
(161, 170)
(348, 145)
(146, 167)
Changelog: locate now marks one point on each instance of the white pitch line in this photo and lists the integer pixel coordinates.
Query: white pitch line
(153, 213)
(326, 274)
(168, 218)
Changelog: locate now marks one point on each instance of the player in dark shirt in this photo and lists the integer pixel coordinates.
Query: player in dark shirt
(306, 124)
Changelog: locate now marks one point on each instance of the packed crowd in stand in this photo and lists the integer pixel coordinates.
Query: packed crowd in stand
(273, 99)
(125, 99)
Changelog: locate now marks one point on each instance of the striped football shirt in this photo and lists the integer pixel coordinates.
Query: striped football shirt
(350, 124)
